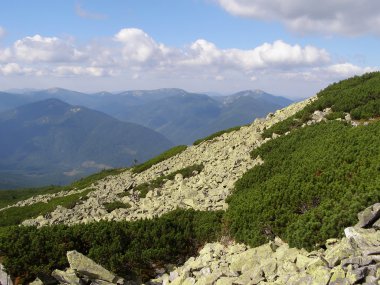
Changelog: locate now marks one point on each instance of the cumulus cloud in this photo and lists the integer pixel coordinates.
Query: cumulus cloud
(349, 17)
(15, 69)
(268, 55)
(5, 54)
(46, 49)
(138, 47)
(131, 54)
(342, 70)
(79, 70)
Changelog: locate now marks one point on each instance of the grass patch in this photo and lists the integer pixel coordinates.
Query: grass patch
(161, 157)
(311, 186)
(186, 172)
(9, 197)
(116, 205)
(215, 135)
(359, 96)
(15, 215)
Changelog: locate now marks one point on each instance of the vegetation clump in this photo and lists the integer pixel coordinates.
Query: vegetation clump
(217, 134)
(359, 96)
(163, 156)
(125, 248)
(311, 186)
(16, 215)
(186, 172)
(116, 205)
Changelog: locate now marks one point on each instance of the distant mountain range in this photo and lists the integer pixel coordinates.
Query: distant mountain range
(52, 142)
(179, 115)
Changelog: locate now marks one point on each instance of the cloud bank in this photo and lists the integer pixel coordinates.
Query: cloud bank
(132, 54)
(327, 17)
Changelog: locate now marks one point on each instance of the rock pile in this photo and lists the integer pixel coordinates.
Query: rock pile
(82, 271)
(355, 259)
(225, 159)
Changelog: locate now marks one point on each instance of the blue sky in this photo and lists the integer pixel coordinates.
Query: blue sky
(292, 48)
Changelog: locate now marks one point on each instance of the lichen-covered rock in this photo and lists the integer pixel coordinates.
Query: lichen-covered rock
(350, 260)
(88, 267)
(67, 277)
(369, 216)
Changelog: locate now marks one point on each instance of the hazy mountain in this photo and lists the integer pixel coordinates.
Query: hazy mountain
(52, 141)
(179, 115)
(185, 117)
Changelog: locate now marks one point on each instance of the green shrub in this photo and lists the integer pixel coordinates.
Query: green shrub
(15, 215)
(122, 247)
(335, 115)
(217, 134)
(163, 156)
(311, 186)
(116, 205)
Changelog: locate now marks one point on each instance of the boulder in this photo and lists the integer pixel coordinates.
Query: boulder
(365, 241)
(88, 267)
(369, 216)
(67, 277)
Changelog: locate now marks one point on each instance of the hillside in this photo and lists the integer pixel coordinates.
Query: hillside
(52, 142)
(300, 176)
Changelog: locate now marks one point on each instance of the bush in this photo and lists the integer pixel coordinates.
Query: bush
(16, 215)
(359, 96)
(116, 205)
(163, 156)
(311, 186)
(123, 247)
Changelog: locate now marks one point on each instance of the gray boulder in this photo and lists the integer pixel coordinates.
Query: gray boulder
(88, 267)
(369, 216)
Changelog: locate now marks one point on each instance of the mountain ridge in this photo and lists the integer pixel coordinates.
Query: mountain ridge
(53, 136)
(179, 115)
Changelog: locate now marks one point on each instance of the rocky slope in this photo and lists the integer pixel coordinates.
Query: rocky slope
(225, 160)
(354, 259)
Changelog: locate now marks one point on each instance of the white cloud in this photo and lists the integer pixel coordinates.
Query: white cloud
(139, 47)
(349, 17)
(276, 55)
(343, 70)
(5, 54)
(79, 70)
(14, 69)
(46, 49)
(134, 57)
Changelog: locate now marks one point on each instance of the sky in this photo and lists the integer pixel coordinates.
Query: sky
(292, 48)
